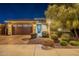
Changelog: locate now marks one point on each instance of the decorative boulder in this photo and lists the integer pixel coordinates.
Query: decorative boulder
(48, 42)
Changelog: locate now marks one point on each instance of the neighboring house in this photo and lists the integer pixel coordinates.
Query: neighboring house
(25, 26)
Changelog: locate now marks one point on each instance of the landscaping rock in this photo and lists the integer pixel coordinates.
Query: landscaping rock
(48, 42)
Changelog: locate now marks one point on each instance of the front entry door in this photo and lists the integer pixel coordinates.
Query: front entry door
(39, 30)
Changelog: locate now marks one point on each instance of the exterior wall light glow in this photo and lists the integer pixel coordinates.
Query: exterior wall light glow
(59, 29)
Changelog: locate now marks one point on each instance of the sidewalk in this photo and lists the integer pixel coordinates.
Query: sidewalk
(35, 50)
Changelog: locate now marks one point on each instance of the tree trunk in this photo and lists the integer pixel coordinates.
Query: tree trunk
(76, 34)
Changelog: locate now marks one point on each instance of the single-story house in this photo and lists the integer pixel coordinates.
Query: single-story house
(25, 26)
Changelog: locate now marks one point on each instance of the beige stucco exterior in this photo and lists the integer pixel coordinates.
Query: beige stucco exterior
(34, 23)
(9, 26)
(10, 23)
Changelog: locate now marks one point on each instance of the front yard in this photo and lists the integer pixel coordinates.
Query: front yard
(15, 46)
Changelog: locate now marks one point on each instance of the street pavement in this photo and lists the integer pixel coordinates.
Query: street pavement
(35, 50)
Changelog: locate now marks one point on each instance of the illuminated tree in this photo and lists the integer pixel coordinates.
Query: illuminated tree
(63, 15)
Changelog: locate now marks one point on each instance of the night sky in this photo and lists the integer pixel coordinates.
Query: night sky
(22, 11)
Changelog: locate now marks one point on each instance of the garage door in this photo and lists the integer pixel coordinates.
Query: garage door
(22, 29)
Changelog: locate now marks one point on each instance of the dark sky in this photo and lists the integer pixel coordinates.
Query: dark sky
(22, 11)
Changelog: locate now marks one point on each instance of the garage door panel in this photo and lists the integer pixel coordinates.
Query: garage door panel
(27, 30)
(22, 30)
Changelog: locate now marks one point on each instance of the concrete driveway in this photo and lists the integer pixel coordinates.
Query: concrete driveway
(35, 50)
(14, 39)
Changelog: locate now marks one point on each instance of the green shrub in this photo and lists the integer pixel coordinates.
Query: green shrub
(33, 35)
(74, 43)
(59, 34)
(63, 43)
(67, 40)
(54, 36)
(65, 35)
(45, 34)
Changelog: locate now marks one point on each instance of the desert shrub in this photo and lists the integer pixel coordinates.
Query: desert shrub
(33, 35)
(74, 43)
(54, 37)
(63, 43)
(65, 37)
(45, 34)
(59, 33)
(67, 40)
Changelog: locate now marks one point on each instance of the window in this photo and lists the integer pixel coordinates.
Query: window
(14, 25)
(19, 25)
(27, 25)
